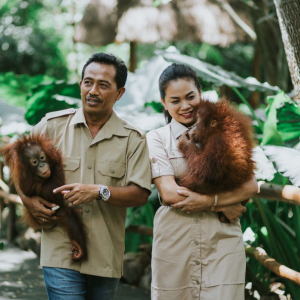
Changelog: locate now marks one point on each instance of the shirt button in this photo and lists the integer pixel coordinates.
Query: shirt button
(124, 123)
(89, 167)
(86, 232)
(86, 210)
(112, 170)
(196, 221)
(153, 160)
(196, 242)
(197, 281)
(64, 165)
(197, 262)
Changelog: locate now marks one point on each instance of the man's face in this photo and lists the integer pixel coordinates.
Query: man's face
(99, 90)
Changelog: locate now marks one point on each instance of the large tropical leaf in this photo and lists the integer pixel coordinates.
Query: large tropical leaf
(217, 75)
(264, 169)
(282, 126)
(51, 97)
(286, 160)
(15, 88)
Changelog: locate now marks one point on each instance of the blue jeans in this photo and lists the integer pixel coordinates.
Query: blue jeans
(65, 284)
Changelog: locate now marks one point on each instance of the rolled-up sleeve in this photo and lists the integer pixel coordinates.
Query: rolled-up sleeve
(159, 160)
(138, 167)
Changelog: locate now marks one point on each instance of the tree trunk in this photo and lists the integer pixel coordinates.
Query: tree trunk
(288, 12)
(270, 45)
(133, 58)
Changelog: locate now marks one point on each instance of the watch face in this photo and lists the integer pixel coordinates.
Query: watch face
(105, 193)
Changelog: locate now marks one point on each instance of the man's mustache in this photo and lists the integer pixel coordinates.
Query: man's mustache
(94, 99)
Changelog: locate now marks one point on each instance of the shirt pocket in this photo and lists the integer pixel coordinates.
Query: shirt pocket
(71, 168)
(111, 173)
(231, 256)
(178, 162)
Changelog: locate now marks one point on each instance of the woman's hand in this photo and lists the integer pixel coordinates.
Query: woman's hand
(194, 202)
(232, 211)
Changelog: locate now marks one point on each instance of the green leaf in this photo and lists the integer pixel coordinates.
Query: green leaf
(157, 106)
(271, 134)
(283, 121)
(1, 246)
(51, 97)
(15, 88)
(217, 75)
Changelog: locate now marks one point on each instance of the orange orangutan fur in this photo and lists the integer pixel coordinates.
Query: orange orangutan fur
(218, 149)
(33, 185)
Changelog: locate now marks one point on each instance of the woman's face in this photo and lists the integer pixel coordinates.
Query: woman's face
(181, 100)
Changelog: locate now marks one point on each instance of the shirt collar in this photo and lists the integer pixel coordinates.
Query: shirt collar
(177, 128)
(113, 126)
(78, 118)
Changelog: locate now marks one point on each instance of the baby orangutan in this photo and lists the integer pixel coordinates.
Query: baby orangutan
(36, 167)
(218, 150)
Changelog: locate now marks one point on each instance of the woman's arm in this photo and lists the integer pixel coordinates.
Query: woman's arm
(167, 188)
(189, 201)
(194, 202)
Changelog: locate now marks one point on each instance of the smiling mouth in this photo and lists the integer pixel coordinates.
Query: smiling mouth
(187, 114)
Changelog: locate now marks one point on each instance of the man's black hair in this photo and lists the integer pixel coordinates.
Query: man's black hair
(174, 72)
(109, 59)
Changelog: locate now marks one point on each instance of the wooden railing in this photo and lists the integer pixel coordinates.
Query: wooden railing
(9, 200)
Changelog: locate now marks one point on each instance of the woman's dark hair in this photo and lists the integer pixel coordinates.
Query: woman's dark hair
(109, 59)
(175, 72)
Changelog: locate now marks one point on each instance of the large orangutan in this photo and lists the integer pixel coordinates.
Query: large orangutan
(218, 150)
(37, 168)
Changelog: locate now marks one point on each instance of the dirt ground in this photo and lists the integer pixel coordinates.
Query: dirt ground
(21, 278)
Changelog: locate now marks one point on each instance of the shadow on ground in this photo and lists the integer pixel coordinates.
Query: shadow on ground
(21, 278)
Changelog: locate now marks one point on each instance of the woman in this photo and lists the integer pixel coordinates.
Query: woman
(195, 256)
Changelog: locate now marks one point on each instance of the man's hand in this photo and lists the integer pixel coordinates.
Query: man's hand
(233, 211)
(194, 202)
(41, 210)
(78, 193)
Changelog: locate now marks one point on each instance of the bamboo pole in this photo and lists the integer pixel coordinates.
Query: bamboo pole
(283, 193)
(270, 263)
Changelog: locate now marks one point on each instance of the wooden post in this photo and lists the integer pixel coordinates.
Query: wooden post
(1, 201)
(133, 58)
(11, 226)
(1, 221)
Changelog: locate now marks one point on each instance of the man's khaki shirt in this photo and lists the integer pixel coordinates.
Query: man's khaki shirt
(117, 156)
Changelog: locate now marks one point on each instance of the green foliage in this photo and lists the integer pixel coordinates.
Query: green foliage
(15, 88)
(276, 224)
(51, 97)
(219, 76)
(1, 246)
(157, 106)
(143, 216)
(29, 45)
(237, 57)
(283, 121)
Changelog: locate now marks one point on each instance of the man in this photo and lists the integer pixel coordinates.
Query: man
(107, 169)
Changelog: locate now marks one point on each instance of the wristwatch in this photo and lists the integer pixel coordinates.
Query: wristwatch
(104, 192)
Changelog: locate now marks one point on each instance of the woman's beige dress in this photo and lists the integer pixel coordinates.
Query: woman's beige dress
(195, 256)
